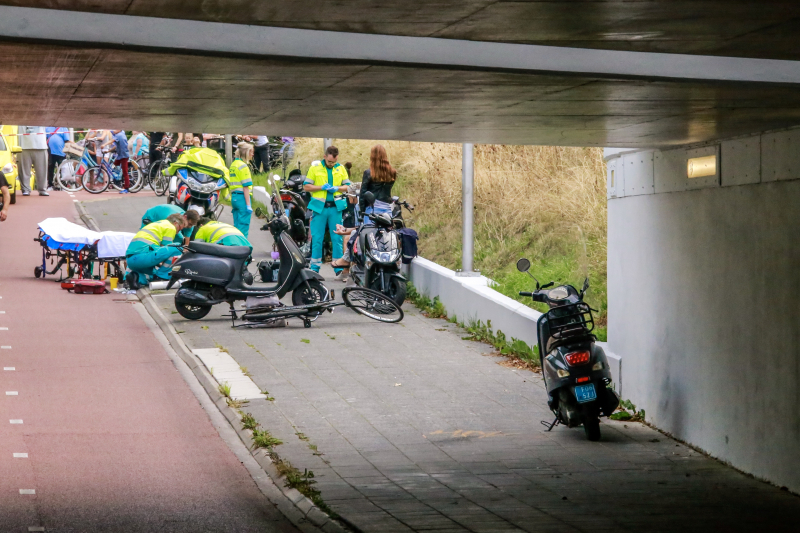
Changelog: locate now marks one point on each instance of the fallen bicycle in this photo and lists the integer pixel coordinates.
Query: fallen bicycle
(367, 302)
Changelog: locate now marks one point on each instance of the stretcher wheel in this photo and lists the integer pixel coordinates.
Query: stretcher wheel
(37, 271)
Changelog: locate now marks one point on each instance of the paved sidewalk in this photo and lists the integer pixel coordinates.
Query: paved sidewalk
(410, 427)
(111, 437)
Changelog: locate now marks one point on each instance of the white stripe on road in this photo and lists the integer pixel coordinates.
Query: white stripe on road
(12, 393)
(20, 456)
(5, 347)
(3, 329)
(16, 421)
(27, 491)
(10, 368)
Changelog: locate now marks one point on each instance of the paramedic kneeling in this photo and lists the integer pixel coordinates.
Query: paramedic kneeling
(214, 232)
(153, 245)
(162, 211)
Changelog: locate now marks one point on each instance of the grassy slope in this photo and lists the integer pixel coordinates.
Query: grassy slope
(530, 201)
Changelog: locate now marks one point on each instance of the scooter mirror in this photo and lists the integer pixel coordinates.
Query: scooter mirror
(523, 265)
(369, 198)
(585, 286)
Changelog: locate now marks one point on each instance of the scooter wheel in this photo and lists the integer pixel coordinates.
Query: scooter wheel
(192, 312)
(37, 271)
(591, 426)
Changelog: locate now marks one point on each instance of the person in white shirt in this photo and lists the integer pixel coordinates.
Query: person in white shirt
(33, 141)
(261, 154)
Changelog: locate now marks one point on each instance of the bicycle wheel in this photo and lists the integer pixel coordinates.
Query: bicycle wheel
(136, 176)
(158, 181)
(96, 180)
(372, 304)
(67, 176)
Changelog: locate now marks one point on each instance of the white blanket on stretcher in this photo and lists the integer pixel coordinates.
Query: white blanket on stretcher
(109, 243)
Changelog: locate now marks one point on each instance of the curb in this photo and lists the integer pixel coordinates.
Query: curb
(297, 508)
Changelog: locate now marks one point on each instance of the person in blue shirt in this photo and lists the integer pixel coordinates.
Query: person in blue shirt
(56, 139)
(120, 142)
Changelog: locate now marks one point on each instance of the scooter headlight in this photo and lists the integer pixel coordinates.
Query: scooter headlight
(383, 248)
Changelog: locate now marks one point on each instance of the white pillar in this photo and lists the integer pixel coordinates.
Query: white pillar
(326, 142)
(229, 149)
(467, 235)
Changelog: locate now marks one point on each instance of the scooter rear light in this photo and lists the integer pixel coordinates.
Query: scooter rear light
(286, 197)
(577, 358)
(584, 379)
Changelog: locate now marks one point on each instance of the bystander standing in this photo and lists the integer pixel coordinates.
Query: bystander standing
(5, 197)
(33, 142)
(56, 139)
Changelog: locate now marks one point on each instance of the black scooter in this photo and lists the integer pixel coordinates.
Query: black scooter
(214, 273)
(575, 370)
(376, 262)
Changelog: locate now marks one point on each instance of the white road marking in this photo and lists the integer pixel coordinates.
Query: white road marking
(16, 421)
(74, 200)
(27, 491)
(9, 368)
(12, 393)
(3, 329)
(5, 347)
(35, 528)
(20, 456)
(227, 370)
(2, 312)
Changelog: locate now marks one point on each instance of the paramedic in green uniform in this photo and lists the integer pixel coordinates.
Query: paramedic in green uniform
(324, 179)
(154, 244)
(214, 232)
(161, 212)
(239, 186)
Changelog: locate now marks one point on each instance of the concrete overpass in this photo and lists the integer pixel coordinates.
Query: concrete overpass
(586, 73)
(702, 270)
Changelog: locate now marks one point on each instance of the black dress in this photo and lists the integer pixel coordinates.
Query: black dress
(382, 191)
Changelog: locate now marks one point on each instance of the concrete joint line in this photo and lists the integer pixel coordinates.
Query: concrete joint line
(298, 509)
(82, 29)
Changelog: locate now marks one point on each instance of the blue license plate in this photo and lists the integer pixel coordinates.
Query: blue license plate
(585, 393)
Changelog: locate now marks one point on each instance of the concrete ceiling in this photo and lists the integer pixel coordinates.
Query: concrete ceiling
(736, 28)
(73, 82)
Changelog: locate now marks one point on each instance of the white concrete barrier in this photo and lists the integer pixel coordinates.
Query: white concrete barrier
(472, 299)
(260, 195)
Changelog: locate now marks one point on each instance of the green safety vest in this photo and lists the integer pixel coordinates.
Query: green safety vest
(213, 232)
(318, 175)
(240, 176)
(156, 233)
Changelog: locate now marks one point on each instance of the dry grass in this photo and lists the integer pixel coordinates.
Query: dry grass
(532, 201)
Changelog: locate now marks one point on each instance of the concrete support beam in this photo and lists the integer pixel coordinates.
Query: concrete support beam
(229, 149)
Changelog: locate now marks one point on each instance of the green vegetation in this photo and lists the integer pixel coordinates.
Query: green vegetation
(225, 389)
(627, 411)
(540, 202)
(248, 421)
(305, 341)
(264, 439)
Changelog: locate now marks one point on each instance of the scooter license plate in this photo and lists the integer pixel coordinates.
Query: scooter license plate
(585, 393)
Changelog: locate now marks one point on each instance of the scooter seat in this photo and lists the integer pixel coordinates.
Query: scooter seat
(232, 252)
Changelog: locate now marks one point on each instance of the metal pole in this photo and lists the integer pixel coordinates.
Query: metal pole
(229, 149)
(326, 142)
(467, 180)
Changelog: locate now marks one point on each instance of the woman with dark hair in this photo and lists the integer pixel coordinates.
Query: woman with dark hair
(378, 178)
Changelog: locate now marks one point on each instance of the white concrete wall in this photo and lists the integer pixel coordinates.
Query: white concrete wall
(472, 298)
(703, 287)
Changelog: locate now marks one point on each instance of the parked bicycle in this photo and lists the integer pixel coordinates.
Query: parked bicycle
(99, 178)
(67, 175)
(157, 177)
